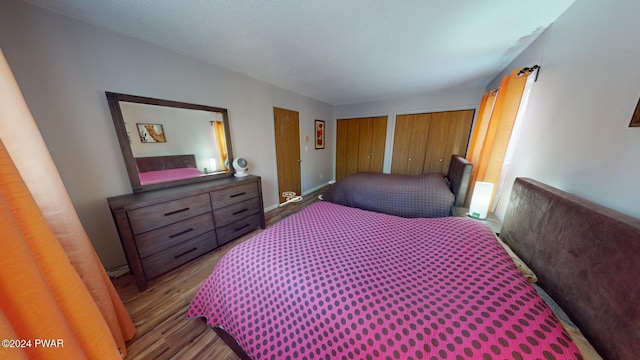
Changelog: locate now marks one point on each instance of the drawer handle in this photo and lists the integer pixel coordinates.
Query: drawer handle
(240, 211)
(180, 233)
(239, 194)
(241, 227)
(184, 253)
(175, 212)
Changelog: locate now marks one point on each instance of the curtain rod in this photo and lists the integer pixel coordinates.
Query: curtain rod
(526, 70)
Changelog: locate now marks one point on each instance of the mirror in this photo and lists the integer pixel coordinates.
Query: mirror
(166, 143)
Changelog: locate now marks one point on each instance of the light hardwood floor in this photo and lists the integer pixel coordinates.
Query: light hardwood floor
(158, 312)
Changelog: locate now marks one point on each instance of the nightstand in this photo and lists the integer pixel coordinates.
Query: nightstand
(492, 220)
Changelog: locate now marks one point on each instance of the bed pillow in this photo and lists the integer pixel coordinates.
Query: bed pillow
(524, 269)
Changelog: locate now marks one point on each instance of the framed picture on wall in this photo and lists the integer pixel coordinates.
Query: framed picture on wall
(635, 119)
(319, 134)
(151, 133)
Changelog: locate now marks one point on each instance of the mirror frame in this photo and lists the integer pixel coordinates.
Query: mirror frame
(114, 100)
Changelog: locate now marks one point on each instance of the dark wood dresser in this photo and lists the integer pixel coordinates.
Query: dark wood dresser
(163, 229)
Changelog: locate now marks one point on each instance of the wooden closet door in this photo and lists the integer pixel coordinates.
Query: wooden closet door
(347, 147)
(459, 133)
(373, 135)
(360, 144)
(341, 148)
(378, 142)
(353, 133)
(364, 144)
(424, 143)
(436, 143)
(409, 143)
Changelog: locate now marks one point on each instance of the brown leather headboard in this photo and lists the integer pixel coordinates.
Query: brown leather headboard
(154, 163)
(459, 175)
(586, 256)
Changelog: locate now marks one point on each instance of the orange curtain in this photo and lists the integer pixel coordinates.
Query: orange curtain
(52, 283)
(221, 140)
(492, 131)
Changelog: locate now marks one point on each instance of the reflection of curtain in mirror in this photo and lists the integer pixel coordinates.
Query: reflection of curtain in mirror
(52, 283)
(221, 141)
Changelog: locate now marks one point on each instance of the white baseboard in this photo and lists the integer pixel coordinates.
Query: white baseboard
(315, 188)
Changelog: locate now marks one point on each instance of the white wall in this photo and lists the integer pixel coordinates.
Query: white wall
(575, 133)
(461, 99)
(574, 137)
(64, 67)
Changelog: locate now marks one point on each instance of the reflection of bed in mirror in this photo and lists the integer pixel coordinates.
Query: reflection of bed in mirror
(158, 169)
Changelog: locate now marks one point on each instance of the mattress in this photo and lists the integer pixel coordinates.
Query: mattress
(335, 282)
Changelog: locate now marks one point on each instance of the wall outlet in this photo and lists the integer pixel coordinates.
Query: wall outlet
(320, 175)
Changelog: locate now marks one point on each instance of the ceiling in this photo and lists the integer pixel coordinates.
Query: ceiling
(336, 51)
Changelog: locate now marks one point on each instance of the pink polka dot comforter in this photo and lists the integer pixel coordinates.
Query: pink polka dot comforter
(333, 282)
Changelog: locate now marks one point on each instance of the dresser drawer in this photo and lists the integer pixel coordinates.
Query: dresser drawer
(175, 256)
(158, 215)
(231, 231)
(159, 239)
(236, 212)
(232, 195)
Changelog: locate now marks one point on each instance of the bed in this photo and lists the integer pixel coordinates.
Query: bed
(338, 282)
(412, 196)
(158, 169)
